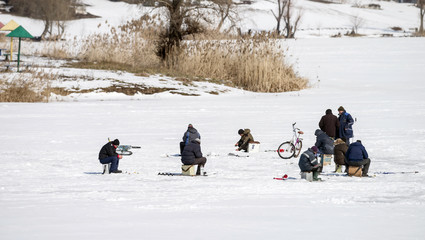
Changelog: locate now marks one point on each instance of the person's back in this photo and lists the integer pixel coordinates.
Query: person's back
(340, 149)
(356, 152)
(329, 124)
(190, 152)
(190, 135)
(192, 155)
(307, 160)
(324, 142)
(358, 156)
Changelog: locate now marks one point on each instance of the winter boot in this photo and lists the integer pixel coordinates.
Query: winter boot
(338, 168)
(316, 176)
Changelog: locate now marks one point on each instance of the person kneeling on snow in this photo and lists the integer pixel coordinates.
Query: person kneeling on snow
(246, 138)
(308, 162)
(357, 156)
(192, 155)
(108, 154)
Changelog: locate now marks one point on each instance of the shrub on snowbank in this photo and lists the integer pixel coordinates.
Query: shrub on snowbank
(25, 87)
(255, 63)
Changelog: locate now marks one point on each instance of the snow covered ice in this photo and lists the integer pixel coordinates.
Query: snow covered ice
(51, 186)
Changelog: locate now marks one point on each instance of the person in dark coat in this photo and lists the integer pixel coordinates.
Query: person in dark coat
(192, 155)
(309, 163)
(329, 124)
(345, 125)
(357, 156)
(108, 154)
(340, 149)
(246, 138)
(324, 143)
(190, 135)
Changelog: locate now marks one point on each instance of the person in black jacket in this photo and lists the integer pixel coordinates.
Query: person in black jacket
(192, 155)
(190, 135)
(108, 154)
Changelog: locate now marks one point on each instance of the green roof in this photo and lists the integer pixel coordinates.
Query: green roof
(20, 32)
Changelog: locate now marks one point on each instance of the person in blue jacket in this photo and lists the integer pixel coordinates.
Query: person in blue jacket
(345, 125)
(356, 155)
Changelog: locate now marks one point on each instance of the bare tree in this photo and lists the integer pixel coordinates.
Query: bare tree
(291, 21)
(356, 22)
(421, 6)
(225, 10)
(281, 5)
(184, 17)
(53, 13)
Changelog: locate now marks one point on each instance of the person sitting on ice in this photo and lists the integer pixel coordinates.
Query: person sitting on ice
(340, 149)
(308, 162)
(190, 135)
(357, 156)
(192, 155)
(108, 154)
(246, 138)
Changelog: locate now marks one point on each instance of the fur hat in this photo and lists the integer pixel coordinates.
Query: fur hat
(341, 108)
(116, 142)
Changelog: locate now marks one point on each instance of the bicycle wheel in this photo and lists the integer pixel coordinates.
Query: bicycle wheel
(286, 150)
(298, 148)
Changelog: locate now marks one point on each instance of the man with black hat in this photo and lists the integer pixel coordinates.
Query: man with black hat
(345, 125)
(246, 138)
(190, 135)
(108, 154)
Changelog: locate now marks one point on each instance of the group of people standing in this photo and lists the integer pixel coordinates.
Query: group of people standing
(333, 137)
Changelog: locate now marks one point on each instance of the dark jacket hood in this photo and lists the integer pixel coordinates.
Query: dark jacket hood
(318, 132)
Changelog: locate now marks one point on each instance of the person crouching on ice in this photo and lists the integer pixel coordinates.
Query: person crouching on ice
(246, 138)
(108, 154)
(192, 155)
(309, 163)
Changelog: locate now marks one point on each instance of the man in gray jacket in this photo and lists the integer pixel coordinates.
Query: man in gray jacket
(308, 162)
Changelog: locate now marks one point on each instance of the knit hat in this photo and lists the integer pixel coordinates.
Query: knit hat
(315, 149)
(190, 125)
(116, 142)
(240, 131)
(341, 109)
(329, 111)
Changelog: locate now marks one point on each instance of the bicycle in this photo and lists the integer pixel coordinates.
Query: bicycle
(293, 147)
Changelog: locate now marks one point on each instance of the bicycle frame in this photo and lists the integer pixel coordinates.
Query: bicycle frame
(296, 138)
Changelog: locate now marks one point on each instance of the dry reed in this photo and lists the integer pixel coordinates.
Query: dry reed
(26, 87)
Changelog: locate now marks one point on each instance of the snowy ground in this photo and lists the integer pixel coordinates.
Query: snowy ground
(50, 187)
